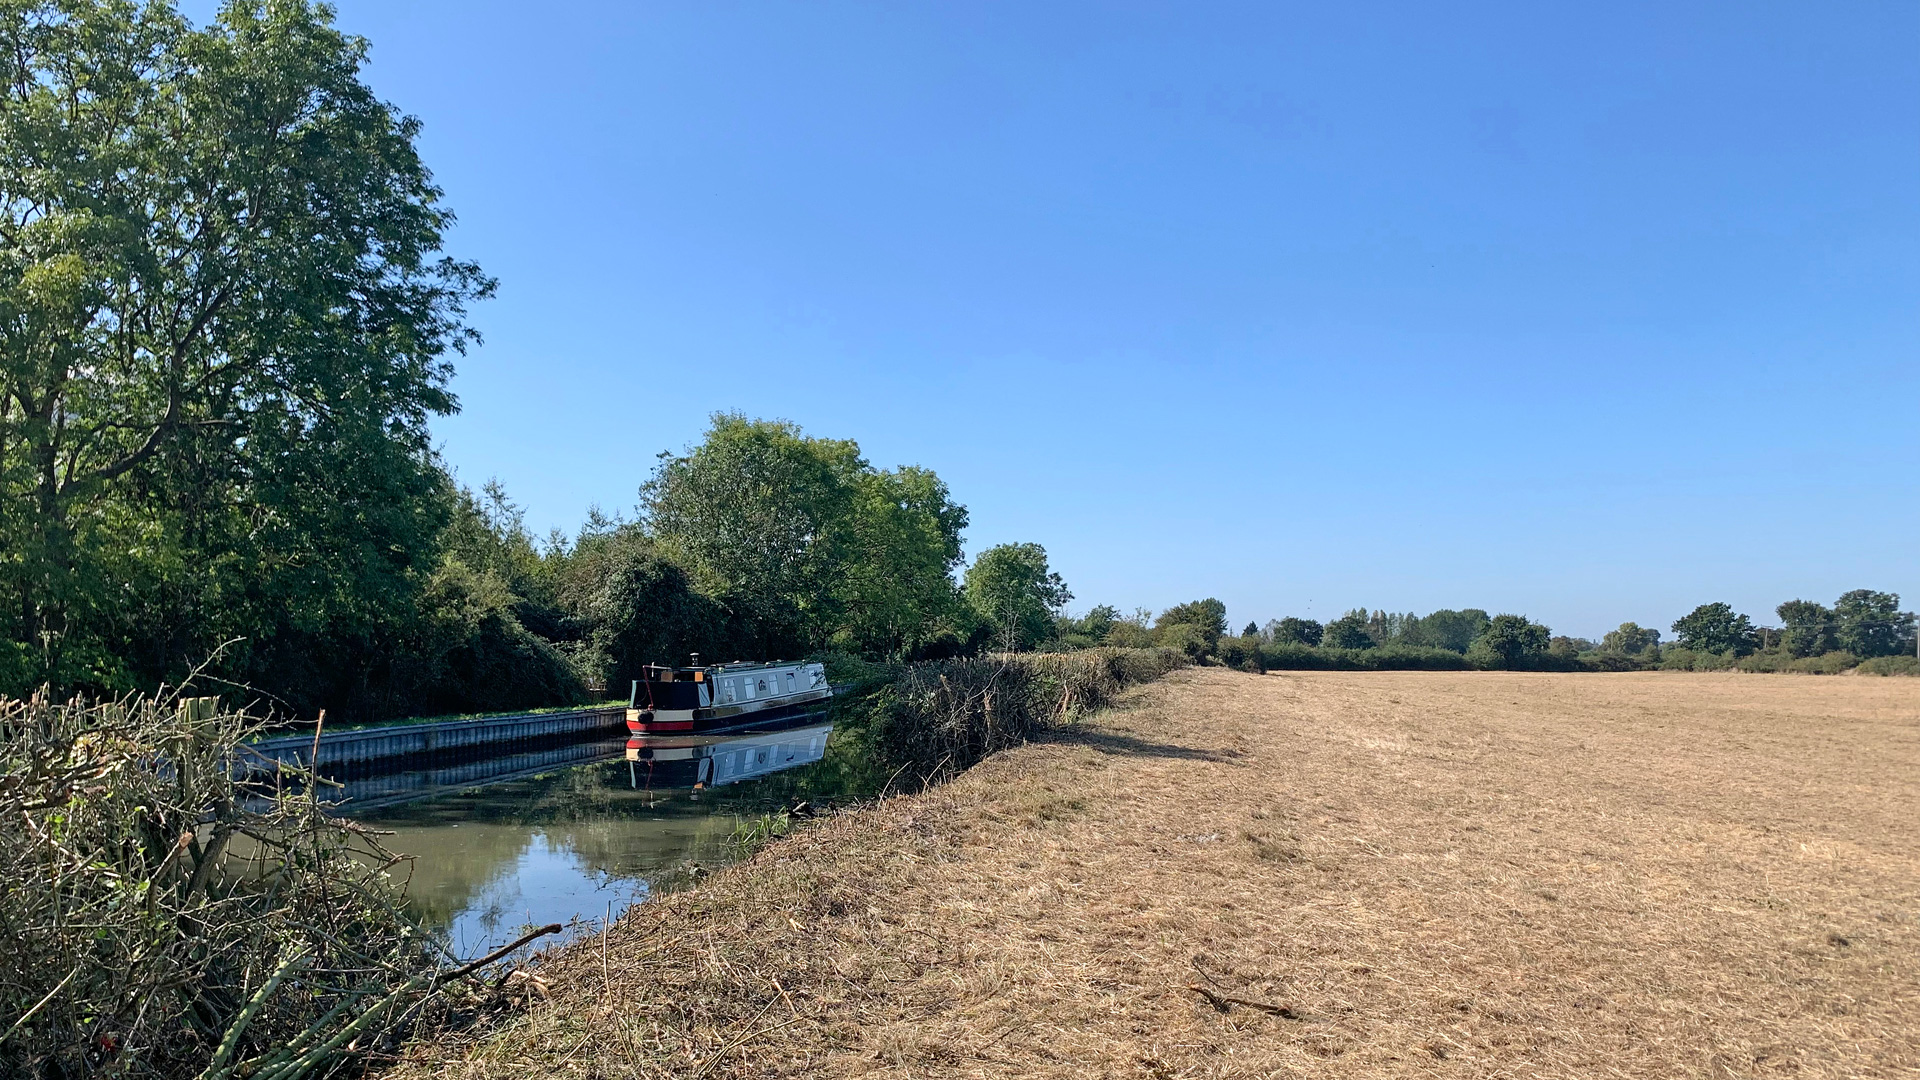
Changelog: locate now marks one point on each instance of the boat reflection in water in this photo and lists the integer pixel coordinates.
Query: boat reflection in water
(694, 761)
(571, 832)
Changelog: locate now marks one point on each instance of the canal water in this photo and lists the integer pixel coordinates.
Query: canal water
(576, 833)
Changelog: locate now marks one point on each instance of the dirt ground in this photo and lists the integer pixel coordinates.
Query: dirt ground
(1391, 874)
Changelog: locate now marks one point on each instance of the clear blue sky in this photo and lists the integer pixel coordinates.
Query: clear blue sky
(1589, 312)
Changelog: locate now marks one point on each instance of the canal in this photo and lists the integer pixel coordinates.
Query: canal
(575, 833)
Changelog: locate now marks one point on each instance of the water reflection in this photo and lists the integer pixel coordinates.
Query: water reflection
(572, 832)
(711, 761)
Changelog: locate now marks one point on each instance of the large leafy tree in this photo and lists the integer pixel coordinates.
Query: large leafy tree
(1448, 629)
(1349, 631)
(1209, 616)
(1630, 639)
(1512, 642)
(1869, 623)
(1293, 630)
(1016, 594)
(761, 516)
(806, 544)
(224, 322)
(1715, 628)
(896, 595)
(1807, 628)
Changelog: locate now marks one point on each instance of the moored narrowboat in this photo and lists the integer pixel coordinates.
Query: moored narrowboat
(723, 697)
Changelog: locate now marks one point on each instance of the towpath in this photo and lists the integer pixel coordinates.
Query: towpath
(1396, 874)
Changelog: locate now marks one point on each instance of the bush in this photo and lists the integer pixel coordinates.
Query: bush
(1292, 657)
(1890, 665)
(1780, 660)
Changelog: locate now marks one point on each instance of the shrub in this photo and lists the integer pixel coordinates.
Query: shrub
(1782, 660)
(1890, 665)
(1679, 658)
(1292, 657)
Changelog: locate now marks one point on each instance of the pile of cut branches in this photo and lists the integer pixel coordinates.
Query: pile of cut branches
(168, 909)
(940, 717)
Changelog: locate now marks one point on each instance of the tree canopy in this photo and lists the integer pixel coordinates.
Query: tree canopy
(1016, 594)
(225, 319)
(1715, 628)
(804, 543)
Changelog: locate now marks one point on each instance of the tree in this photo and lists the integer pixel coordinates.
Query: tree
(1807, 628)
(1295, 631)
(1868, 623)
(761, 516)
(1014, 591)
(1715, 628)
(1209, 616)
(1349, 631)
(895, 593)
(805, 544)
(1630, 639)
(1252, 630)
(1452, 630)
(1510, 642)
(646, 611)
(224, 322)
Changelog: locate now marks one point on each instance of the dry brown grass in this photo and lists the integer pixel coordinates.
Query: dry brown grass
(1456, 874)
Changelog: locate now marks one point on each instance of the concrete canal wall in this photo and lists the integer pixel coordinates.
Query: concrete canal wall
(358, 746)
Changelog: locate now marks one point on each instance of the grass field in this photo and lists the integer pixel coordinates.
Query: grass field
(1391, 874)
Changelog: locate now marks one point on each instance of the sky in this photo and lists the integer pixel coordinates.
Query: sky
(1589, 312)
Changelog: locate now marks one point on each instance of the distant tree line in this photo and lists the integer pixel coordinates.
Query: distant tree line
(1863, 629)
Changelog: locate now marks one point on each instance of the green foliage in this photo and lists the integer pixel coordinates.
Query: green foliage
(1890, 665)
(1869, 623)
(1295, 631)
(1349, 631)
(226, 323)
(1447, 629)
(1630, 639)
(1715, 628)
(1807, 628)
(1015, 595)
(1510, 642)
(1289, 656)
(1196, 621)
(645, 610)
(1779, 660)
(806, 545)
(1187, 638)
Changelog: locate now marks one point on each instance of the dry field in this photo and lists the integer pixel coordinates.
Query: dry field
(1396, 874)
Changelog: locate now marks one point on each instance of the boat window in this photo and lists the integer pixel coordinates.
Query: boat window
(789, 682)
(763, 686)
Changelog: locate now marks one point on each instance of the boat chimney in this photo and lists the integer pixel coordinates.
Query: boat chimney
(695, 661)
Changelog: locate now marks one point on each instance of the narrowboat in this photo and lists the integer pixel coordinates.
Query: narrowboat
(700, 698)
